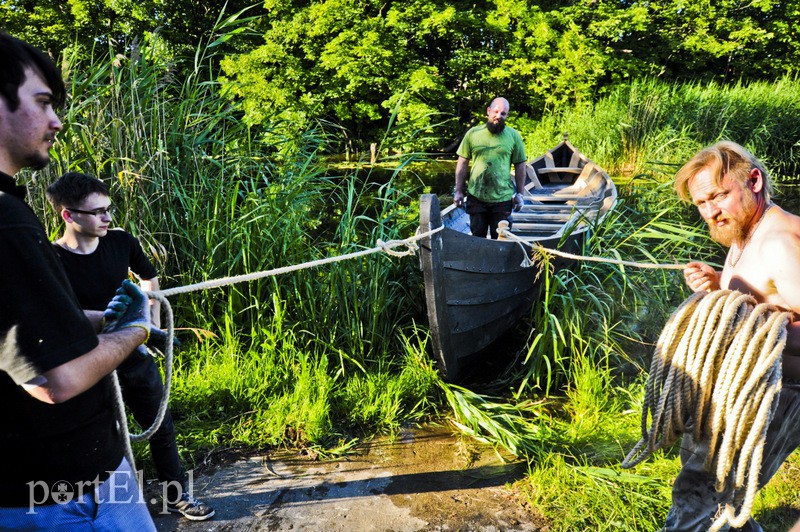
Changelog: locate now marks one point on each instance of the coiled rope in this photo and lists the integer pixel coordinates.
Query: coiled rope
(717, 365)
(388, 247)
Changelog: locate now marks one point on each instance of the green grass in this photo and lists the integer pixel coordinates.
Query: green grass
(581, 496)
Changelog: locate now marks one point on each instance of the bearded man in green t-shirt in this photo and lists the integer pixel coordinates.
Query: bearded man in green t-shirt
(492, 194)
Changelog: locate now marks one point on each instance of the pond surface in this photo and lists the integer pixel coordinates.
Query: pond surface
(436, 176)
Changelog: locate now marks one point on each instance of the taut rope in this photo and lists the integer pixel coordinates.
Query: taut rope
(387, 247)
(717, 366)
(535, 246)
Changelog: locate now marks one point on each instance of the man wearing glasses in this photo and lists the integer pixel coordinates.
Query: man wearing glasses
(97, 260)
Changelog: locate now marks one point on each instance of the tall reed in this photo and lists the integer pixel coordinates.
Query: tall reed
(648, 122)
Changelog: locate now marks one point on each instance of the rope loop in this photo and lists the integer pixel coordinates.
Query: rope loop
(388, 247)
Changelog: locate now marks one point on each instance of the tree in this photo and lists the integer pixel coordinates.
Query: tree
(116, 25)
(364, 64)
(425, 70)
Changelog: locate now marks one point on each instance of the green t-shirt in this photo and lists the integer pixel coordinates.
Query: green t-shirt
(492, 156)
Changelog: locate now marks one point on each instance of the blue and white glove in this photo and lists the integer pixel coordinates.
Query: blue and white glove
(518, 201)
(129, 308)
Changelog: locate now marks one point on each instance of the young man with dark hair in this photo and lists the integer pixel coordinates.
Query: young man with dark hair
(97, 259)
(61, 452)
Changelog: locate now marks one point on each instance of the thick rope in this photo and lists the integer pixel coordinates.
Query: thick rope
(717, 365)
(122, 420)
(168, 358)
(161, 295)
(506, 234)
(386, 247)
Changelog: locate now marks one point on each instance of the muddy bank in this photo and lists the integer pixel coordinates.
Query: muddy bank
(423, 480)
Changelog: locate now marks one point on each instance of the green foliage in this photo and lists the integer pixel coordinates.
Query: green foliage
(384, 398)
(586, 497)
(521, 428)
(429, 65)
(353, 63)
(365, 60)
(281, 359)
(122, 26)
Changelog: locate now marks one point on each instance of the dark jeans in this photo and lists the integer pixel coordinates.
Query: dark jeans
(695, 500)
(485, 216)
(140, 380)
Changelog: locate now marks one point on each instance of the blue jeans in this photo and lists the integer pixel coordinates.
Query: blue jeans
(695, 500)
(142, 389)
(114, 505)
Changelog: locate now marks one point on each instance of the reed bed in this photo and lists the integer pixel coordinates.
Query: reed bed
(303, 359)
(649, 125)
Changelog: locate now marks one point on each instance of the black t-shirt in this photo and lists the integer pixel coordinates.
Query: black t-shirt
(96, 276)
(41, 327)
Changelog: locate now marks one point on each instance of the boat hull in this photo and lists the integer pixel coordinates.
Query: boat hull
(476, 289)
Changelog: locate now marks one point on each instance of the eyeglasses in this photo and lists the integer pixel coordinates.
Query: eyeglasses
(96, 212)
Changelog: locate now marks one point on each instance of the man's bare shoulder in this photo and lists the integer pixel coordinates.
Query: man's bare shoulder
(781, 236)
(770, 265)
(774, 269)
(786, 217)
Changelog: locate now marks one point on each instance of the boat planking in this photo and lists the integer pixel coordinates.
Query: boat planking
(476, 288)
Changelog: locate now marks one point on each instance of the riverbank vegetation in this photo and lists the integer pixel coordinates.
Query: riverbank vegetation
(320, 358)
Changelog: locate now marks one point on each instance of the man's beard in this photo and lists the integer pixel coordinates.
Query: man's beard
(37, 161)
(495, 129)
(735, 230)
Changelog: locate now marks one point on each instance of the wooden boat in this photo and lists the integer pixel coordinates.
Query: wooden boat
(477, 288)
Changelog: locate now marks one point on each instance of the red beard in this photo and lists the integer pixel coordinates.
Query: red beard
(734, 230)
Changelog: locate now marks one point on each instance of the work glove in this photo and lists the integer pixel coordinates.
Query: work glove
(128, 308)
(158, 340)
(518, 201)
(142, 351)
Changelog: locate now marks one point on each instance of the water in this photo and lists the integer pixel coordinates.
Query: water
(436, 176)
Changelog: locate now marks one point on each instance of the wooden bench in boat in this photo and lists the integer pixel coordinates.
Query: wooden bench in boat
(589, 185)
(555, 207)
(520, 226)
(557, 217)
(565, 172)
(535, 228)
(557, 169)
